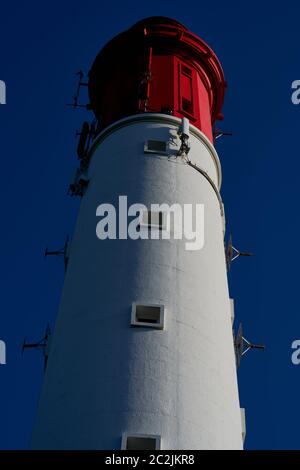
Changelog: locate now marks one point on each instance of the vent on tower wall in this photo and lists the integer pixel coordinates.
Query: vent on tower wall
(147, 315)
(156, 146)
(140, 442)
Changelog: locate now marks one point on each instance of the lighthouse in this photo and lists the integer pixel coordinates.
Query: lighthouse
(142, 354)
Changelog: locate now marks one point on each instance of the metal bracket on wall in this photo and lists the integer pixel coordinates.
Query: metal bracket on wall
(41, 345)
(233, 253)
(60, 252)
(217, 133)
(242, 345)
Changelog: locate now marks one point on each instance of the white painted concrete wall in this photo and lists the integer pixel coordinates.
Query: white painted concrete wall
(105, 377)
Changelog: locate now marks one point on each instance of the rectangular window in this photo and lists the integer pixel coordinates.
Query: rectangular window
(156, 146)
(187, 106)
(186, 99)
(147, 315)
(140, 442)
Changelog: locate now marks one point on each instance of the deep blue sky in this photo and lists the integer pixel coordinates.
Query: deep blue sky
(42, 44)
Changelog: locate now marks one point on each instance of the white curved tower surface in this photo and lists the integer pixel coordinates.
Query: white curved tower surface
(108, 380)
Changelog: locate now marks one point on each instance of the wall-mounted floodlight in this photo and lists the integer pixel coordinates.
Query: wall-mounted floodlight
(184, 134)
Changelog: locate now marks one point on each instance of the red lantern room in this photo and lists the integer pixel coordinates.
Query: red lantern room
(157, 66)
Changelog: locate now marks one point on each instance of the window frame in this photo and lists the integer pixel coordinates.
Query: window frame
(127, 435)
(148, 149)
(159, 325)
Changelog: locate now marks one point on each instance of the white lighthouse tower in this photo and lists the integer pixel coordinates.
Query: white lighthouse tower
(142, 354)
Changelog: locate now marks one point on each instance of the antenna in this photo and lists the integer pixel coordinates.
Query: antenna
(60, 252)
(184, 135)
(79, 185)
(242, 345)
(80, 84)
(233, 253)
(41, 345)
(86, 134)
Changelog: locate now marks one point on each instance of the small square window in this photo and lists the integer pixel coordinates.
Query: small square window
(140, 442)
(156, 146)
(147, 315)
